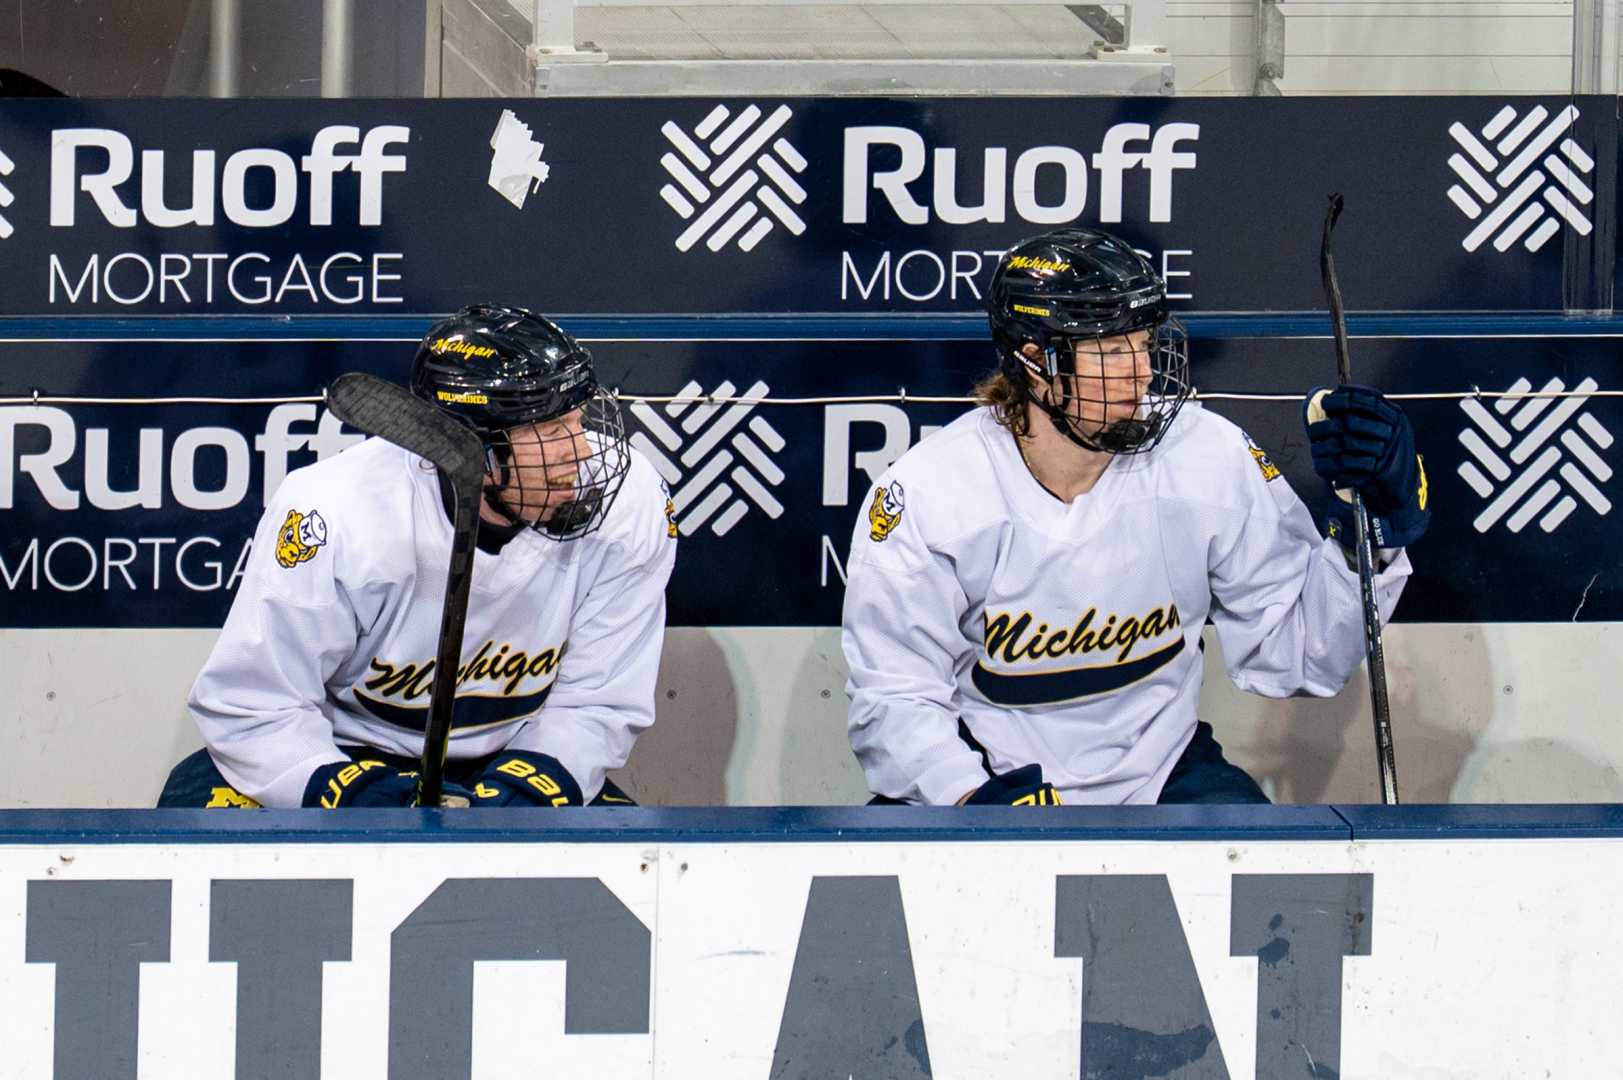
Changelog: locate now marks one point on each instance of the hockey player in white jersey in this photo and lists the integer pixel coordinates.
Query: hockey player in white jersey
(1027, 587)
(317, 692)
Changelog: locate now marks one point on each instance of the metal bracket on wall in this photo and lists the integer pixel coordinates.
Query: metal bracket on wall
(1111, 30)
(1269, 50)
(1589, 257)
(1595, 46)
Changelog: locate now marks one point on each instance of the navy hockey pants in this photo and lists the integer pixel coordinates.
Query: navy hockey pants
(1202, 774)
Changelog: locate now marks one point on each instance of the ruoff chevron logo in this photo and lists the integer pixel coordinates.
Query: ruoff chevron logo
(1540, 444)
(6, 198)
(728, 164)
(1514, 171)
(702, 464)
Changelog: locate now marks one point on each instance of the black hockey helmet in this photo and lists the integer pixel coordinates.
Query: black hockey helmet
(530, 391)
(1071, 286)
(494, 368)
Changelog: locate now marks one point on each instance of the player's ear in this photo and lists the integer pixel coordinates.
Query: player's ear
(1038, 386)
(1032, 353)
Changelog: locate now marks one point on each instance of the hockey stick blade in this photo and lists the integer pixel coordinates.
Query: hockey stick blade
(392, 413)
(1374, 653)
(379, 407)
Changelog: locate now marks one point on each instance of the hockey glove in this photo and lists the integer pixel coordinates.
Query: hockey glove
(1362, 441)
(1024, 786)
(525, 778)
(360, 783)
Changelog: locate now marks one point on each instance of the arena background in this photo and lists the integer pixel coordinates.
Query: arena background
(183, 276)
(772, 222)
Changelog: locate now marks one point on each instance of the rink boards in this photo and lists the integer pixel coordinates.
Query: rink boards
(1213, 942)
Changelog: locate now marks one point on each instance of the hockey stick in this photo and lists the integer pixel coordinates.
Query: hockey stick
(1373, 652)
(390, 412)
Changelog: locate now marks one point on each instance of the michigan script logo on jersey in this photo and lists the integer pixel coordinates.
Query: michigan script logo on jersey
(301, 536)
(1011, 641)
(885, 512)
(497, 686)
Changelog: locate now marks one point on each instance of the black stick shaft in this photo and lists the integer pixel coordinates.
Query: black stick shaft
(448, 660)
(383, 409)
(1374, 653)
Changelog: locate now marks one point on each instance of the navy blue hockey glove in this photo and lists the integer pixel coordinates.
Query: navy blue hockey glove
(1360, 440)
(371, 783)
(1024, 786)
(525, 778)
(360, 783)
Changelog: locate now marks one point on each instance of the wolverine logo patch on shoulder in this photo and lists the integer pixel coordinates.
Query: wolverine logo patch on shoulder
(885, 512)
(1270, 471)
(300, 537)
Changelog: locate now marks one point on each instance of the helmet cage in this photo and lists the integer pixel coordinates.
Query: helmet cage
(554, 441)
(1087, 395)
(559, 478)
(1066, 288)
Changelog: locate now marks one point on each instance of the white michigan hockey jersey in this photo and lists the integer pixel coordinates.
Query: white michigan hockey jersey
(332, 636)
(1069, 634)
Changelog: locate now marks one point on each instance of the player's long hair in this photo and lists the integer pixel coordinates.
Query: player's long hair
(1007, 398)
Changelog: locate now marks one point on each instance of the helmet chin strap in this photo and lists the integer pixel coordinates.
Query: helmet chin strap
(499, 505)
(1062, 424)
(499, 460)
(1118, 437)
(575, 513)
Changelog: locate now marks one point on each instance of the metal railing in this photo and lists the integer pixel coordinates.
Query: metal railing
(1144, 28)
(337, 48)
(1426, 34)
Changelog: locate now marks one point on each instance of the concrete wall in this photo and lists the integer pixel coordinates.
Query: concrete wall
(1498, 713)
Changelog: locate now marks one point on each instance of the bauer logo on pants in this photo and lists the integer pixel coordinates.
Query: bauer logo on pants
(1517, 166)
(1535, 457)
(730, 170)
